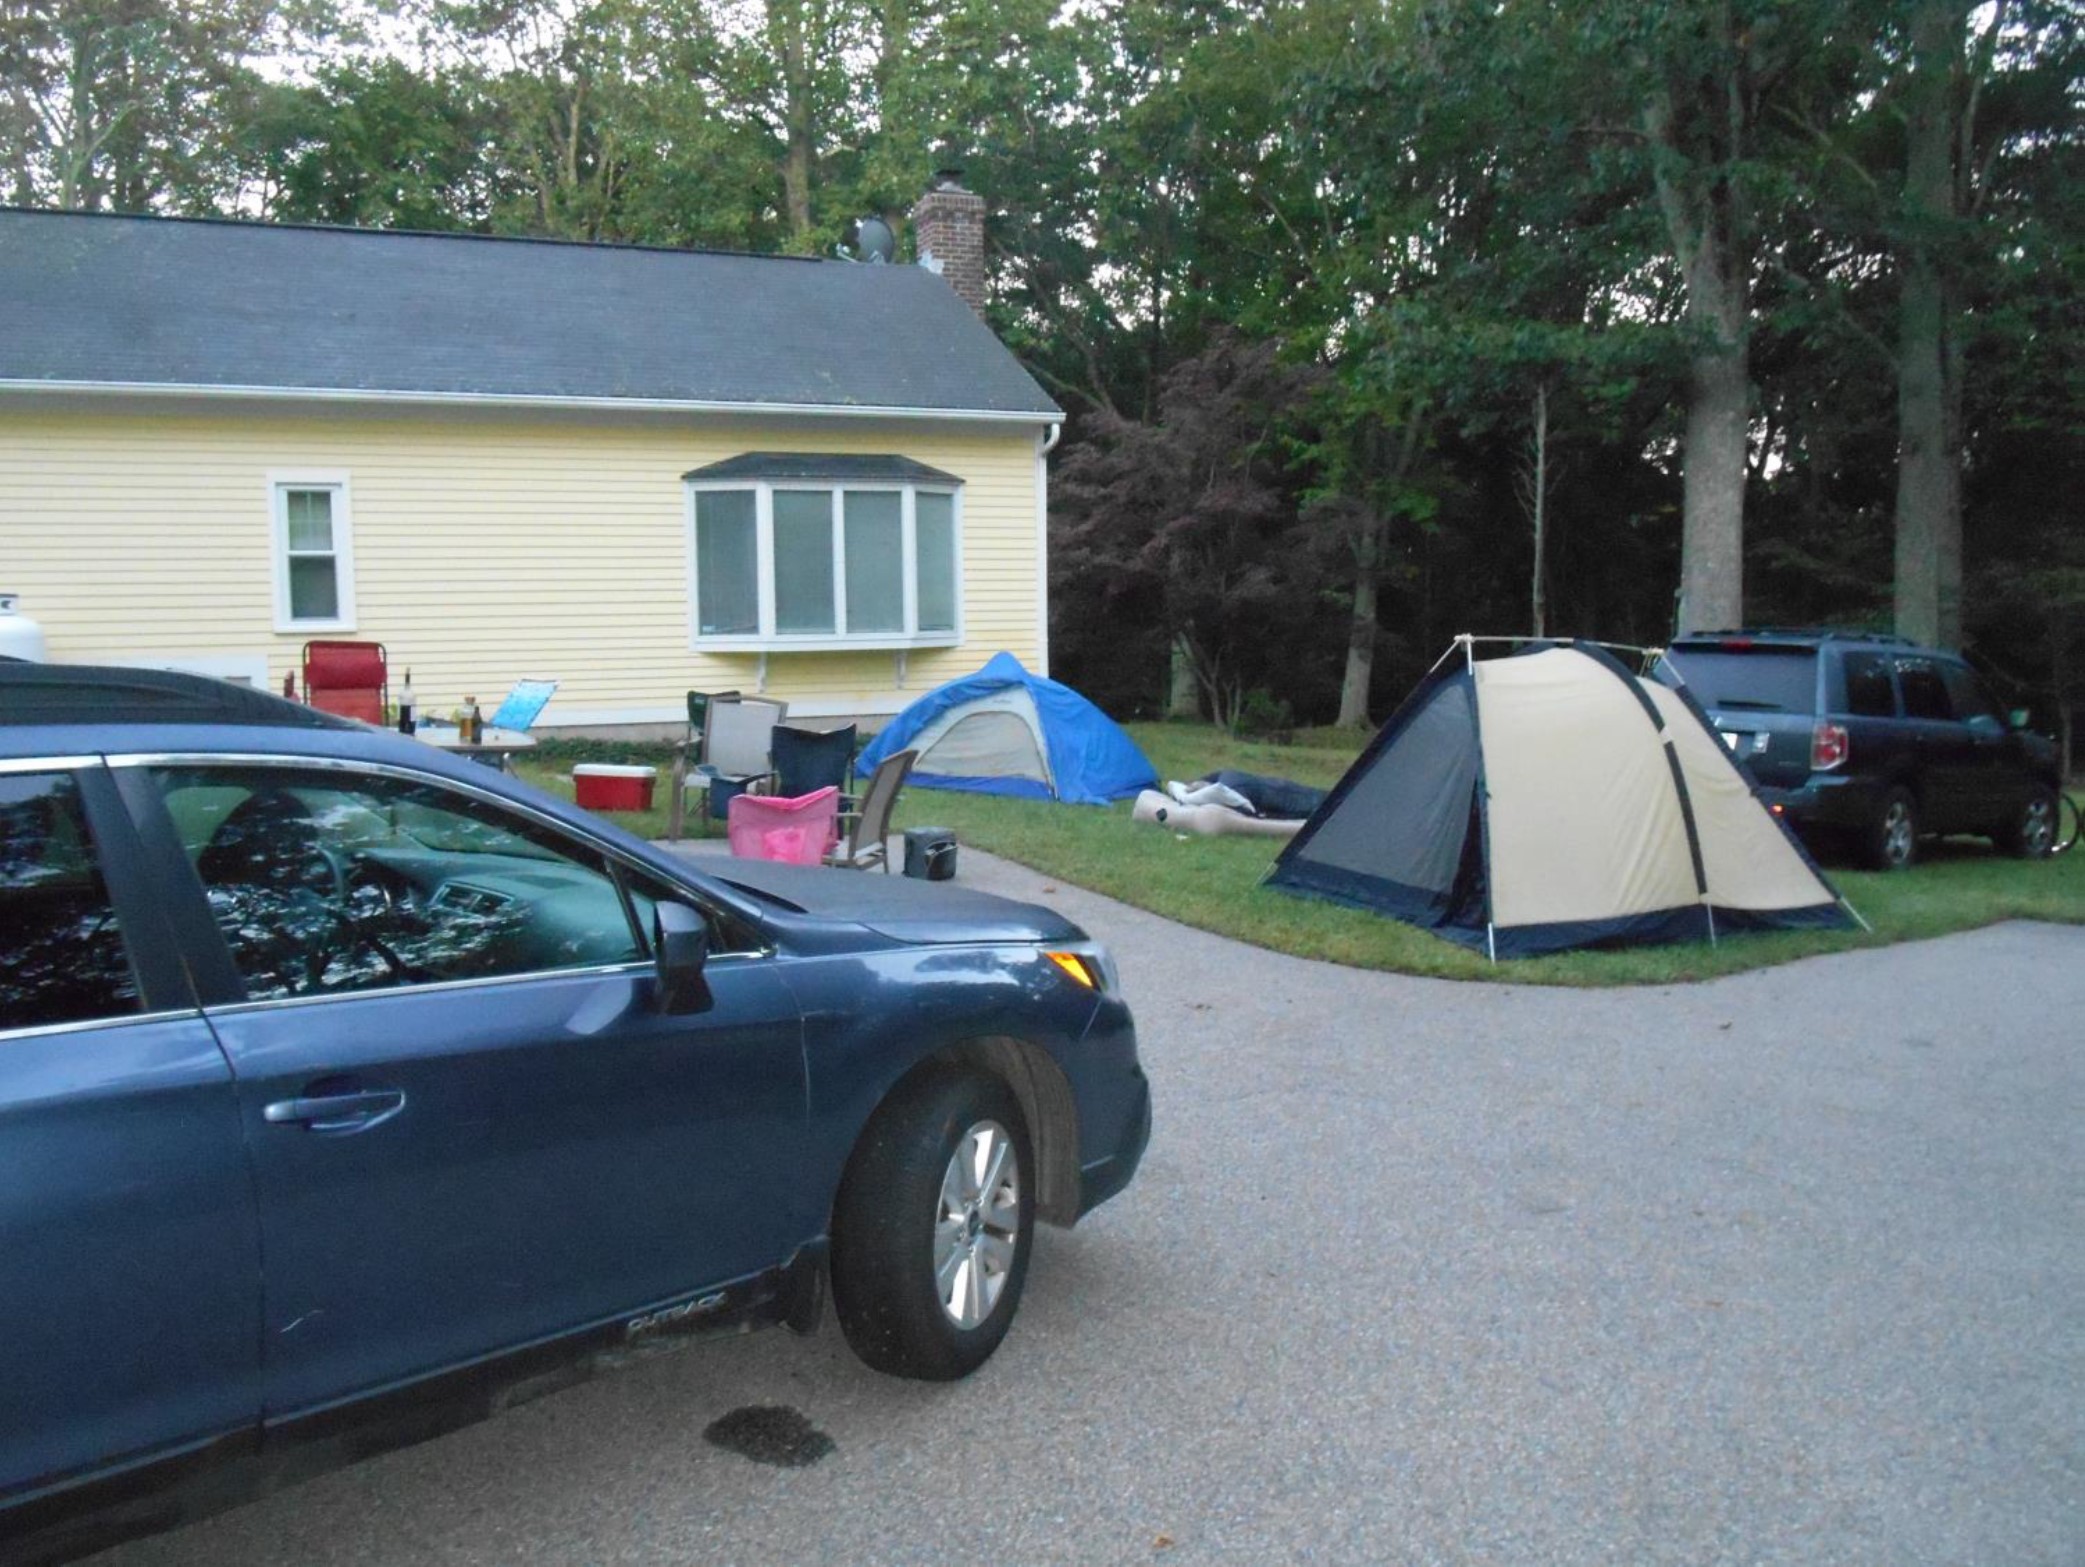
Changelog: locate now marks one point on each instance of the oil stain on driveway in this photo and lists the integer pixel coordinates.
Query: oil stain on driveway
(1783, 1268)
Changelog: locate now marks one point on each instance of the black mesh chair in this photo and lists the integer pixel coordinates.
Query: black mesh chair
(807, 760)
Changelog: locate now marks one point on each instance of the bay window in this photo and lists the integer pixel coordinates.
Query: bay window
(791, 550)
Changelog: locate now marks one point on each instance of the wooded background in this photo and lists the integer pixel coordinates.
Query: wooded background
(1376, 322)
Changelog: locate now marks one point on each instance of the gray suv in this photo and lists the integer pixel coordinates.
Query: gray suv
(1869, 742)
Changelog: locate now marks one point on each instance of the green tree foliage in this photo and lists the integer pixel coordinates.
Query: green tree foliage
(1788, 287)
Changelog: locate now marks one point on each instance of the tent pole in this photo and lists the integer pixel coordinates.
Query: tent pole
(1710, 910)
(1856, 913)
(1491, 940)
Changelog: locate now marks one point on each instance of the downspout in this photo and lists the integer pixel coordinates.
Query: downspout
(1044, 447)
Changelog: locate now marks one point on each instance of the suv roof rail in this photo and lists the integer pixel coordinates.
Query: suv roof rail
(1815, 633)
(102, 694)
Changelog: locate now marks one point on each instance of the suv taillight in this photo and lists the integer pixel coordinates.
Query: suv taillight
(1828, 747)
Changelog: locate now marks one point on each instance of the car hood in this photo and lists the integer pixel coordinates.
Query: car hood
(898, 907)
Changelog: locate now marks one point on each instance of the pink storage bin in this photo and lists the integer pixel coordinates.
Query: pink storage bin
(796, 830)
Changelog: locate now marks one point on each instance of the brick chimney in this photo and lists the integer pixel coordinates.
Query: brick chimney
(948, 231)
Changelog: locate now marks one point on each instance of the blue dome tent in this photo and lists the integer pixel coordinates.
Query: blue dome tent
(1006, 731)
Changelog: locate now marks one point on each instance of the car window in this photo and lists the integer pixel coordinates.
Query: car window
(1869, 692)
(1762, 679)
(1967, 695)
(325, 881)
(1925, 694)
(66, 962)
(726, 933)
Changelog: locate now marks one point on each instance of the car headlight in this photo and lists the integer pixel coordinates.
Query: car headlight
(1089, 965)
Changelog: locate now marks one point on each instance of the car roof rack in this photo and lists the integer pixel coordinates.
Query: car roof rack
(101, 694)
(1804, 633)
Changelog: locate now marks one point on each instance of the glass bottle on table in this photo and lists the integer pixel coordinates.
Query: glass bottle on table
(406, 722)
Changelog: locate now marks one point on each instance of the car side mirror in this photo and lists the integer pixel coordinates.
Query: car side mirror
(680, 949)
(2017, 718)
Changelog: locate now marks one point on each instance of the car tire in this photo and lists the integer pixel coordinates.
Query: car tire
(2032, 832)
(932, 1229)
(1892, 838)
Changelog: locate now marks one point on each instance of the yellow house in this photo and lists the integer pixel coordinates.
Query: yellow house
(635, 471)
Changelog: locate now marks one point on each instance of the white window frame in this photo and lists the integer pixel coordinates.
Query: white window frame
(336, 483)
(767, 639)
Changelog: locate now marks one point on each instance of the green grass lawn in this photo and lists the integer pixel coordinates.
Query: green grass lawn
(1214, 883)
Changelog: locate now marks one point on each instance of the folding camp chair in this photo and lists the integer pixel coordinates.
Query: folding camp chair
(867, 830)
(796, 830)
(811, 759)
(737, 747)
(348, 678)
(688, 753)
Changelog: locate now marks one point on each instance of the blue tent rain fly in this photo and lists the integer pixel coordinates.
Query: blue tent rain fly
(1006, 731)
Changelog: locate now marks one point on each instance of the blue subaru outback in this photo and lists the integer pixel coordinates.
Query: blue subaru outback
(347, 1087)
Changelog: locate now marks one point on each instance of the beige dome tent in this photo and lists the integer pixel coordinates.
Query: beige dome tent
(1552, 799)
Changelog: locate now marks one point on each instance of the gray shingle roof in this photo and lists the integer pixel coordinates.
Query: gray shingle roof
(822, 465)
(150, 302)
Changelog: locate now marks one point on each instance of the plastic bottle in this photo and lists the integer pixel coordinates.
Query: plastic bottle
(406, 723)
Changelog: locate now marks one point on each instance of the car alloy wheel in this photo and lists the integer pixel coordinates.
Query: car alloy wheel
(978, 1225)
(933, 1225)
(1894, 841)
(2034, 833)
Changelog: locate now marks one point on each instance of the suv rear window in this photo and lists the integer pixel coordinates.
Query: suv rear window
(1925, 694)
(1869, 693)
(66, 961)
(1761, 679)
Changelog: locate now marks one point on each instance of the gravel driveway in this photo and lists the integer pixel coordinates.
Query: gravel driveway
(1788, 1267)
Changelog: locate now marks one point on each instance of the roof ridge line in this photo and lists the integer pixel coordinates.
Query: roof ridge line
(219, 220)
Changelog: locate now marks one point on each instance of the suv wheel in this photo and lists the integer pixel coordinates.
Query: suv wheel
(1893, 836)
(932, 1229)
(2032, 835)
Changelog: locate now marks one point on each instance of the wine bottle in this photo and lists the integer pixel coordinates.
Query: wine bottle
(406, 723)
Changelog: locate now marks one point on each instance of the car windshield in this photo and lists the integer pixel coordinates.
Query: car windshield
(1760, 679)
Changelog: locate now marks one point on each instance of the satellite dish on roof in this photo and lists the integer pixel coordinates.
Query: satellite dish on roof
(874, 240)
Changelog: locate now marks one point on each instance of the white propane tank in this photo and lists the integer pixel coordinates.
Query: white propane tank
(20, 637)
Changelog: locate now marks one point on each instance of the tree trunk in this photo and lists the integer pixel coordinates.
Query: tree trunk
(796, 114)
(1184, 698)
(1361, 631)
(1708, 231)
(1712, 531)
(1929, 470)
(1537, 609)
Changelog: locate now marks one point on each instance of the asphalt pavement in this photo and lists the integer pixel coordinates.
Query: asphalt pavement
(1783, 1268)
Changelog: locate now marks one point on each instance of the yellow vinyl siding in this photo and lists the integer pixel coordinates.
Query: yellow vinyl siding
(485, 549)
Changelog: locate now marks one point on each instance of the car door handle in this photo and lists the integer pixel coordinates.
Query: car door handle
(336, 1112)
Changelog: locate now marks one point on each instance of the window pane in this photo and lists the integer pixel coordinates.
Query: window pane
(1966, 695)
(727, 583)
(1869, 693)
(934, 522)
(325, 884)
(1924, 695)
(314, 589)
(803, 560)
(310, 517)
(875, 562)
(65, 957)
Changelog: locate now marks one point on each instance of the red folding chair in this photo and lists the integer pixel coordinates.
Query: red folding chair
(348, 678)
